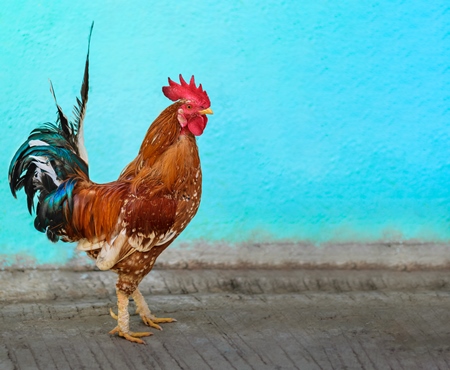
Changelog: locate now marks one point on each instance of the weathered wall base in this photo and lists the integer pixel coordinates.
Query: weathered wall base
(399, 256)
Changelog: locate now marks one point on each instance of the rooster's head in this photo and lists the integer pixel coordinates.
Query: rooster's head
(195, 104)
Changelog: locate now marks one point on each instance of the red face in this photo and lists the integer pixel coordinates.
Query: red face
(192, 117)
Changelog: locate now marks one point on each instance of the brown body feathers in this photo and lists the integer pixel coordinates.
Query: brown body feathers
(151, 203)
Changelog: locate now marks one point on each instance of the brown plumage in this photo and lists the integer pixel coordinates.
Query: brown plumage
(158, 192)
(125, 224)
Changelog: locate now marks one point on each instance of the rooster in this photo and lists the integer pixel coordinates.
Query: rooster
(123, 225)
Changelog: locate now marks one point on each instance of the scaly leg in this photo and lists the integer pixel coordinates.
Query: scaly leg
(146, 316)
(123, 321)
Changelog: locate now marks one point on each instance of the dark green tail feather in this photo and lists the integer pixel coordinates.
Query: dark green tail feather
(50, 163)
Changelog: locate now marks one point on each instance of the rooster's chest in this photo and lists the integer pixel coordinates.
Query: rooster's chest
(189, 196)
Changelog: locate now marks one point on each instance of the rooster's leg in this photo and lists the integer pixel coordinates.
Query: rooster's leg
(146, 316)
(123, 317)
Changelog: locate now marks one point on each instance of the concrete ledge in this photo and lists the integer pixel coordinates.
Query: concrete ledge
(40, 285)
(408, 256)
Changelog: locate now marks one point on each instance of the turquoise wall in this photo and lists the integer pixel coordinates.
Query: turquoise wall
(331, 118)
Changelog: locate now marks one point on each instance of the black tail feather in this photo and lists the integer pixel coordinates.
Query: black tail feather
(51, 162)
(79, 110)
(64, 123)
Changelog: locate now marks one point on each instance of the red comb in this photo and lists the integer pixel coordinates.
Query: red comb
(187, 91)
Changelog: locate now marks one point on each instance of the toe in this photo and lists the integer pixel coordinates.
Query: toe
(132, 339)
(115, 330)
(113, 315)
(141, 334)
(163, 319)
(149, 322)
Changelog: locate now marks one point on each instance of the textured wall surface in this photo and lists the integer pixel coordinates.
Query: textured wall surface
(331, 118)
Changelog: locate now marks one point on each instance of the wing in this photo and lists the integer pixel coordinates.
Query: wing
(149, 220)
(118, 222)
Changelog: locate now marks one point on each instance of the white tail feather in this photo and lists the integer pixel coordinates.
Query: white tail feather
(42, 164)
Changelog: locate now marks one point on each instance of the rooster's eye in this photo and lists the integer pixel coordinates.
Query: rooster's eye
(189, 106)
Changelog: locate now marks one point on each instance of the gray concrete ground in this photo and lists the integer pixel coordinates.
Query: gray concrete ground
(230, 319)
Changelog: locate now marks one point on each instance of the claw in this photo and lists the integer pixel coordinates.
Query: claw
(146, 316)
(131, 336)
(147, 321)
(153, 321)
(115, 330)
(163, 319)
(132, 339)
(113, 315)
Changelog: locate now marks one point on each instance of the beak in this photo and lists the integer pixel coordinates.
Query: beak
(206, 111)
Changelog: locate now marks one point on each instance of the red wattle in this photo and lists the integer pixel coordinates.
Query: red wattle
(197, 125)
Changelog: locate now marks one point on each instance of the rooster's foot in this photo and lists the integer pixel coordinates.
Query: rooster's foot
(146, 315)
(153, 321)
(131, 336)
(123, 328)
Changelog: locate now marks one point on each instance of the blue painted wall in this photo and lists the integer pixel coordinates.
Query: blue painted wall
(331, 118)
